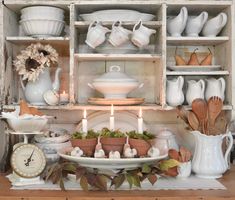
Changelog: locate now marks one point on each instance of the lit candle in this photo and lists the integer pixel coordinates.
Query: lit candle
(140, 121)
(84, 122)
(64, 97)
(111, 119)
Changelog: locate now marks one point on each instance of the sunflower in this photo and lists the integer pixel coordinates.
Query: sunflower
(32, 60)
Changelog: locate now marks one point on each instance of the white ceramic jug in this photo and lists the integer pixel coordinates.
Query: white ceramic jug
(195, 90)
(215, 87)
(96, 34)
(176, 25)
(34, 90)
(208, 159)
(195, 24)
(174, 93)
(213, 26)
(141, 35)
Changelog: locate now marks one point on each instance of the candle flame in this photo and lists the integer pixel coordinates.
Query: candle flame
(63, 92)
(112, 110)
(84, 114)
(140, 112)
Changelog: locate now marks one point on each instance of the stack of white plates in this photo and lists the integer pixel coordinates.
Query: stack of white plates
(40, 21)
(56, 140)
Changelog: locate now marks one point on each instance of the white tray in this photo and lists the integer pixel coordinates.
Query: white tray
(106, 163)
(194, 68)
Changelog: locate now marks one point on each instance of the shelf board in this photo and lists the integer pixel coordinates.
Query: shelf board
(196, 40)
(83, 25)
(197, 73)
(27, 40)
(187, 107)
(134, 57)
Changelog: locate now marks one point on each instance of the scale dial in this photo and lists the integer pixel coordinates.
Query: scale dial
(28, 161)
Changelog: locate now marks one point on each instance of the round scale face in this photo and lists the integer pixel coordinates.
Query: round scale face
(28, 161)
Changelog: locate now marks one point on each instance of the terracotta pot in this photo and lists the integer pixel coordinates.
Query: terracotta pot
(140, 145)
(87, 145)
(113, 144)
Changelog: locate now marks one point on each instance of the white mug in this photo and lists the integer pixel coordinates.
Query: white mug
(119, 35)
(141, 35)
(96, 34)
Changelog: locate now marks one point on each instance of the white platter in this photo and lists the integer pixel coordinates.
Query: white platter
(117, 15)
(195, 68)
(112, 164)
(125, 121)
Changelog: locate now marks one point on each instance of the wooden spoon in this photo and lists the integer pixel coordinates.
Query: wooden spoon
(215, 105)
(182, 113)
(193, 120)
(200, 109)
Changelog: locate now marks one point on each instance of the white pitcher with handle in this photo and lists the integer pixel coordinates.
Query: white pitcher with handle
(195, 90)
(195, 24)
(174, 91)
(176, 25)
(208, 159)
(215, 87)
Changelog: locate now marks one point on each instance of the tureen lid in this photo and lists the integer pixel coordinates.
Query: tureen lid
(114, 75)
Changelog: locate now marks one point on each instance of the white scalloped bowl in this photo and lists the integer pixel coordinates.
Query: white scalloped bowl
(53, 148)
(27, 125)
(42, 27)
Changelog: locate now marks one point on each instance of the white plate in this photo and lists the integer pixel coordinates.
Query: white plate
(112, 164)
(117, 14)
(196, 68)
(125, 121)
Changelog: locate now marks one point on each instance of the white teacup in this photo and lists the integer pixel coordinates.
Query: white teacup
(51, 97)
(141, 35)
(119, 35)
(96, 34)
(184, 170)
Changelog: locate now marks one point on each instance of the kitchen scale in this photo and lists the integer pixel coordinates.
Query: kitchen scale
(27, 161)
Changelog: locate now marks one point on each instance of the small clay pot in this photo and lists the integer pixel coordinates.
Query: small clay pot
(140, 145)
(87, 145)
(112, 144)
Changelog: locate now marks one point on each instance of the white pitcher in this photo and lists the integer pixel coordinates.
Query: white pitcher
(195, 24)
(215, 87)
(208, 159)
(195, 90)
(213, 26)
(176, 25)
(174, 92)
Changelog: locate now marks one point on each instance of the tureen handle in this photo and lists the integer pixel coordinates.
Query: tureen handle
(115, 68)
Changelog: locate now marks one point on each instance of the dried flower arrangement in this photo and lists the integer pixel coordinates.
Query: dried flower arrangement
(34, 59)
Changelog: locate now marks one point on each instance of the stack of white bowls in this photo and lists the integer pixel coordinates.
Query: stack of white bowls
(41, 21)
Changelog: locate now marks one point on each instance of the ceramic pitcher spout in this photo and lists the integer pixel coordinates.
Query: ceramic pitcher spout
(56, 83)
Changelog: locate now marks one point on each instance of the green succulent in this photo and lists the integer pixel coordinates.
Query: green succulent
(80, 135)
(105, 132)
(144, 136)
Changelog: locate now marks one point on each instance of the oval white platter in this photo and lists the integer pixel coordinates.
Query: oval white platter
(196, 68)
(112, 164)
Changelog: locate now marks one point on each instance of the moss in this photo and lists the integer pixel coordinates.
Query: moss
(90, 134)
(145, 136)
(105, 132)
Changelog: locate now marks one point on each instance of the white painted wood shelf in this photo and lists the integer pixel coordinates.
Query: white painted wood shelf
(131, 57)
(200, 41)
(197, 73)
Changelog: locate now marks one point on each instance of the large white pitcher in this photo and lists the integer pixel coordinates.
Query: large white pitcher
(195, 90)
(208, 159)
(215, 87)
(174, 92)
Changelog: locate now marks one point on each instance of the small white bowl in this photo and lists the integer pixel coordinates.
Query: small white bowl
(53, 148)
(42, 27)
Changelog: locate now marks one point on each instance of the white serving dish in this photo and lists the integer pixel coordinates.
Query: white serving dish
(195, 68)
(42, 12)
(114, 84)
(42, 27)
(53, 148)
(106, 163)
(117, 15)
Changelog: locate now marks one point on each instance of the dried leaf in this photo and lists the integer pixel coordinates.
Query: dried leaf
(129, 180)
(152, 178)
(146, 169)
(173, 154)
(91, 178)
(50, 171)
(136, 181)
(80, 172)
(118, 180)
(62, 184)
(101, 182)
(172, 172)
(167, 164)
(84, 183)
(70, 167)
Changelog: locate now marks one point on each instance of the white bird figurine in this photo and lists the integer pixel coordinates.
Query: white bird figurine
(77, 152)
(99, 152)
(130, 153)
(114, 155)
(153, 152)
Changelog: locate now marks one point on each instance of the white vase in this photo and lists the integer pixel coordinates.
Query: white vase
(34, 90)
(208, 159)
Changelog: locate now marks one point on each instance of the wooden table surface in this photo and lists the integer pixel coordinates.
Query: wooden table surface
(228, 180)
